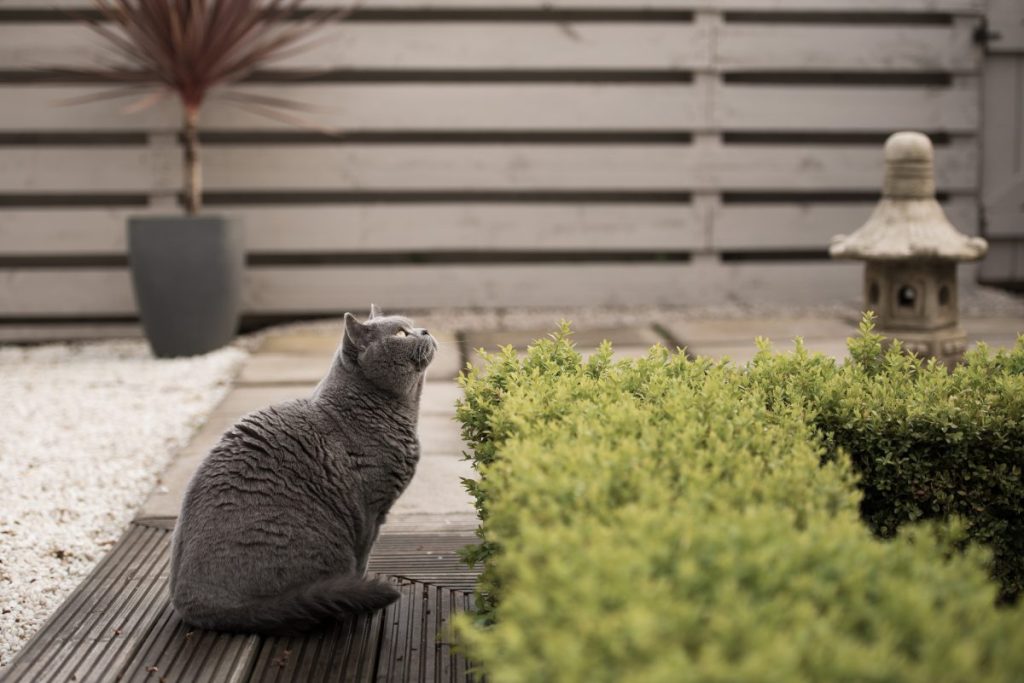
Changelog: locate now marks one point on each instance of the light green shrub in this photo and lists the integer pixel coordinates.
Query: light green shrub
(670, 520)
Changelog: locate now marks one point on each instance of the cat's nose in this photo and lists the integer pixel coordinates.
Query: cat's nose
(424, 332)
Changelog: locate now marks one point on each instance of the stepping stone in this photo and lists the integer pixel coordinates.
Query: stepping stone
(285, 368)
(695, 334)
(439, 398)
(998, 333)
(735, 339)
(440, 435)
(437, 488)
(741, 354)
(628, 342)
(305, 357)
(584, 338)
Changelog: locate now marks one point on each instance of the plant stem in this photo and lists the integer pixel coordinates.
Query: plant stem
(193, 169)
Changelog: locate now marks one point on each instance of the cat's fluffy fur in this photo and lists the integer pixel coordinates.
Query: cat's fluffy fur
(278, 521)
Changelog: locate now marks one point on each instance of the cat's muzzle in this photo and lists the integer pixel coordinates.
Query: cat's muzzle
(425, 351)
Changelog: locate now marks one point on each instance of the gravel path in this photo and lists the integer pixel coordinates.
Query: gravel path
(84, 432)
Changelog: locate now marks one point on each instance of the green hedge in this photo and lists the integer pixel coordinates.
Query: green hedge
(925, 443)
(670, 520)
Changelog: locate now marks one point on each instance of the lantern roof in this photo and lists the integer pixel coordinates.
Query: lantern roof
(908, 222)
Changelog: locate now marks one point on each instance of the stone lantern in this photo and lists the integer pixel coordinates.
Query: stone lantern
(911, 250)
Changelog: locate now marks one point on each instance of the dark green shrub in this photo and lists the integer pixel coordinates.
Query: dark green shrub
(925, 443)
(671, 520)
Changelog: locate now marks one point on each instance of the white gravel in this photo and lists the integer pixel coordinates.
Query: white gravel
(84, 432)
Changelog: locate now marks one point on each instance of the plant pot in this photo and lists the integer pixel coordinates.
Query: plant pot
(187, 273)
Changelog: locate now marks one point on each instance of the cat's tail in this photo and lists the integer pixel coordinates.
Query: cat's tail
(299, 609)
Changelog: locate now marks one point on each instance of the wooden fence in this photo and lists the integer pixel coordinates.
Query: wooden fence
(533, 152)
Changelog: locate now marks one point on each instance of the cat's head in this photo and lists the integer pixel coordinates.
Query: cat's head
(388, 350)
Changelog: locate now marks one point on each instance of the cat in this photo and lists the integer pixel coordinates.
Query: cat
(278, 521)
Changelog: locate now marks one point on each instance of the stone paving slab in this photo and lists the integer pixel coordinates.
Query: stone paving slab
(584, 338)
(695, 334)
(627, 342)
(735, 338)
(996, 332)
(741, 354)
(305, 357)
(437, 488)
(1002, 326)
(619, 353)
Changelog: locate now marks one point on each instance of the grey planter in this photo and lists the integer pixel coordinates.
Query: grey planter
(187, 273)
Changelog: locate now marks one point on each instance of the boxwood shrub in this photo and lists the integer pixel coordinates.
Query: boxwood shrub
(669, 520)
(925, 443)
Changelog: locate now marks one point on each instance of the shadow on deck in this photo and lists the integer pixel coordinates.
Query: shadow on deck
(119, 625)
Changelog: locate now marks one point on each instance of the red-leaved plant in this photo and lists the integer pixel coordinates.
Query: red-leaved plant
(189, 47)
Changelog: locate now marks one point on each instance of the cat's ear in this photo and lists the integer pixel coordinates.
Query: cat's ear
(375, 312)
(355, 331)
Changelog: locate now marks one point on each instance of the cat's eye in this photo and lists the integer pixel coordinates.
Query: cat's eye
(401, 333)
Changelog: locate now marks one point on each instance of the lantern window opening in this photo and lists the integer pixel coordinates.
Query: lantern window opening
(906, 297)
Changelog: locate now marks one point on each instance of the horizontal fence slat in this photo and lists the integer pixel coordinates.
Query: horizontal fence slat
(781, 227)
(50, 293)
(68, 292)
(376, 229)
(838, 47)
(48, 169)
(1004, 263)
(523, 107)
(280, 290)
(560, 45)
(461, 167)
(415, 45)
(840, 6)
(568, 167)
(389, 107)
(847, 109)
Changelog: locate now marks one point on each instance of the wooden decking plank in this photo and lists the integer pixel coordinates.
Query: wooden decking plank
(177, 652)
(132, 624)
(276, 661)
(119, 625)
(27, 663)
(154, 644)
(464, 604)
(447, 669)
(389, 635)
(431, 640)
(405, 642)
(72, 637)
(221, 661)
(365, 660)
(103, 633)
(312, 651)
(407, 632)
(334, 653)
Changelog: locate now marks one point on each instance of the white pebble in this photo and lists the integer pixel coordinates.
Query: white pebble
(84, 432)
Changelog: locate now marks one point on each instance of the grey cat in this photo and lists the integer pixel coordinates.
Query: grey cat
(278, 521)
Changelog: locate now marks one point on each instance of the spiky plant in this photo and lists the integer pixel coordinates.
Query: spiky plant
(189, 47)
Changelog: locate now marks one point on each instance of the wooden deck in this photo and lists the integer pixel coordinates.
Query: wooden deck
(119, 624)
